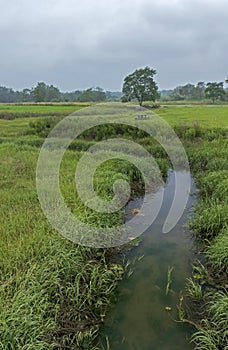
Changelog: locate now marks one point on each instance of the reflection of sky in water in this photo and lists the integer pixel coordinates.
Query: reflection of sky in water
(139, 320)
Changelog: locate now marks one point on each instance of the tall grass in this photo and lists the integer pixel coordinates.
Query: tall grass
(211, 217)
(213, 332)
(26, 110)
(217, 251)
(194, 289)
(53, 293)
(209, 161)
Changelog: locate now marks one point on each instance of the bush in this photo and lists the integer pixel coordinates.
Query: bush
(42, 127)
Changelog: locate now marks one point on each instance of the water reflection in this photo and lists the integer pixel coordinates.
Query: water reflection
(139, 320)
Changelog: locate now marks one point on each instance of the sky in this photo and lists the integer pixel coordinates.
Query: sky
(77, 44)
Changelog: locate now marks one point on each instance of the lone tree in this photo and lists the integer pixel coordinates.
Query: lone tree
(140, 85)
(215, 91)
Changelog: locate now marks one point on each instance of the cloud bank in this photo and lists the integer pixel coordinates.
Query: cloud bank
(76, 45)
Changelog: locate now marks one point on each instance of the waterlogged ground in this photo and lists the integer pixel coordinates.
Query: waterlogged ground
(139, 320)
(58, 292)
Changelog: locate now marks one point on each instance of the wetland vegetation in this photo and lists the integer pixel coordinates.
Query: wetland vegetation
(54, 294)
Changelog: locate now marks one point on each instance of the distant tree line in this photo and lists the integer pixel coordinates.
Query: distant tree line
(138, 86)
(49, 93)
(141, 86)
(213, 91)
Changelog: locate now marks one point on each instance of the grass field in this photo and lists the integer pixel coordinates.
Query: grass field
(54, 293)
(205, 116)
(51, 289)
(41, 108)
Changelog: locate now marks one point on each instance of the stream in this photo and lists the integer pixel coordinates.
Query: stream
(139, 320)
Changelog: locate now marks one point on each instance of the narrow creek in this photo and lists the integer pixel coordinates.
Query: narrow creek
(139, 320)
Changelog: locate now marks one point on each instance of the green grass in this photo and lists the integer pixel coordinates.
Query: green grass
(213, 333)
(13, 128)
(208, 160)
(54, 293)
(16, 118)
(40, 108)
(52, 290)
(210, 219)
(194, 289)
(213, 183)
(217, 251)
(206, 116)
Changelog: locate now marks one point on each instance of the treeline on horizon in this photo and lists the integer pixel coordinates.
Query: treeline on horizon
(50, 93)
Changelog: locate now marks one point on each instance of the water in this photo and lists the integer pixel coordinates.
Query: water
(139, 320)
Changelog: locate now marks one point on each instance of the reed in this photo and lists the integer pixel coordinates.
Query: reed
(169, 280)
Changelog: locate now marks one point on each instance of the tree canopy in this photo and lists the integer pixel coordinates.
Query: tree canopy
(43, 92)
(140, 85)
(215, 91)
(92, 95)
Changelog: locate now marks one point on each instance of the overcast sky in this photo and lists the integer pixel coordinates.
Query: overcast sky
(76, 44)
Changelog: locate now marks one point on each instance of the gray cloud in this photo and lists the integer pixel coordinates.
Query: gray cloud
(81, 44)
